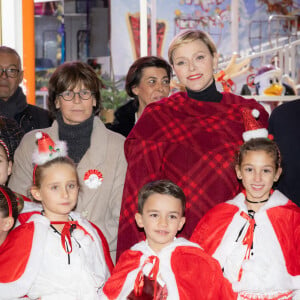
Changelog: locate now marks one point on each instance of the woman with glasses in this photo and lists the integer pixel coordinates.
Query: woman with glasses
(189, 137)
(74, 100)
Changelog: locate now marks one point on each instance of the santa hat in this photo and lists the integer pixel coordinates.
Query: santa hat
(252, 127)
(47, 149)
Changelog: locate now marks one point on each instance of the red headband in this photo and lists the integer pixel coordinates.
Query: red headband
(8, 201)
(5, 148)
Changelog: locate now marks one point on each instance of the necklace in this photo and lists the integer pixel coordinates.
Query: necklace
(254, 202)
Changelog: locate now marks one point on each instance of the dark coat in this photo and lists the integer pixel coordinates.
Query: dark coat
(33, 117)
(124, 118)
(284, 124)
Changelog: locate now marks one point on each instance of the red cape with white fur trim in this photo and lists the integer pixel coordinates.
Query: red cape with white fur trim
(23, 250)
(275, 263)
(187, 271)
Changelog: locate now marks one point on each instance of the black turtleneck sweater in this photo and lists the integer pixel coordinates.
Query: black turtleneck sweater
(78, 137)
(210, 94)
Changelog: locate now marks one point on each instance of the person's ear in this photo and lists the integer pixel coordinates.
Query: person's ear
(135, 90)
(57, 103)
(215, 60)
(35, 192)
(9, 167)
(139, 220)
(20, 77)
(181, 223)
(8, 224)
(238, 172)
(94, 102)
(277, 175)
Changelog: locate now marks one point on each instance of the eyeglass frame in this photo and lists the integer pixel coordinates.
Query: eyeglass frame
(4, 70)
(78, 93)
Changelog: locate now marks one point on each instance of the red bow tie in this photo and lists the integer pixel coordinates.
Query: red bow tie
(66, 232)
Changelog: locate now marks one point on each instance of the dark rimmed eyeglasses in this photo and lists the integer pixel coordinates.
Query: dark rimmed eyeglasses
(83, 94)
(9, 72)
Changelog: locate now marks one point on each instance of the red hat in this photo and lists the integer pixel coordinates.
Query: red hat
(252, 128)
(47, 149)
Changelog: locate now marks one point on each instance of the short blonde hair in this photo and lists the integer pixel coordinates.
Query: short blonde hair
(187, 36)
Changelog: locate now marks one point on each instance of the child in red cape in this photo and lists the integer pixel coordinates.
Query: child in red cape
(56, 254)
(256, 235)
(163, 267)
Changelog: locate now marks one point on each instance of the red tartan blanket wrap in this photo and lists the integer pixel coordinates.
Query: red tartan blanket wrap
(190, 142)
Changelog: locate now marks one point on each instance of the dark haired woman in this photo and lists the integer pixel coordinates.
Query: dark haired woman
(147, 80)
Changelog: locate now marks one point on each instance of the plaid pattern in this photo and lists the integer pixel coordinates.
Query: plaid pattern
(190, 142)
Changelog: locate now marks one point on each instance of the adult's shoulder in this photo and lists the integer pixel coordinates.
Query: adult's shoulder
(287, 108)
(127, 108)
(41, 113)
(52, 131)
(100, 129)
(159, 115)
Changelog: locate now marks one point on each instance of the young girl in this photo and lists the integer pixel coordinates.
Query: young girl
(57, 253)
(8, 211)
(256, 235)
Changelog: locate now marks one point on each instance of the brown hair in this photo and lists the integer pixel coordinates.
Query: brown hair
(163, 187)
(259, 144)
(40, 169)
(67, 76)
(187, 36)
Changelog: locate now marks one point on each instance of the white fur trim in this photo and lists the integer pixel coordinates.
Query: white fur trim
(38, 135)
(61, 150)
(253, 134)
(165, 269)
(255, 113)
(21, 286)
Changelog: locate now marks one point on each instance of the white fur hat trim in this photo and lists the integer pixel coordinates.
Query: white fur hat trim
(254, 134)
(60, 150)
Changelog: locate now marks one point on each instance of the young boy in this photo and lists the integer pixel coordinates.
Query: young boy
(163, 267)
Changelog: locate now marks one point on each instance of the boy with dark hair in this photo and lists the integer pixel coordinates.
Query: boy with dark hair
(163, 266)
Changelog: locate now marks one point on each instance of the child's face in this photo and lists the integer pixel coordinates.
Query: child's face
(258, 173)
(161, 219)
(58, 191)
(5, 166)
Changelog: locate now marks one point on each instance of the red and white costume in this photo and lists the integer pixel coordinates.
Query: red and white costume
(183, 267)
(270, 269)
(34, 263)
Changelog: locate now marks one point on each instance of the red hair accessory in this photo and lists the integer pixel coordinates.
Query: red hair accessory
(47, 149)
(252, 128)
(5, 148)
(8, 201)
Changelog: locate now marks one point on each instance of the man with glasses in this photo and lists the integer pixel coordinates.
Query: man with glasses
(13, 102)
